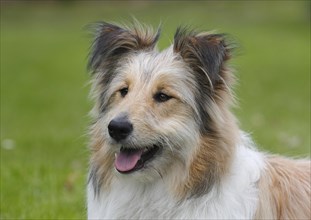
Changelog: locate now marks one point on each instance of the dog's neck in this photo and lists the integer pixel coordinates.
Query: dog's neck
(211, 160)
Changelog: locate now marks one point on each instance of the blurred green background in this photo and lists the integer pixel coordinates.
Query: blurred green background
(44, 89)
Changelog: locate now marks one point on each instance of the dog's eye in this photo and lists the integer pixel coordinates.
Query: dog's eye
(161, 97)
(123, 91)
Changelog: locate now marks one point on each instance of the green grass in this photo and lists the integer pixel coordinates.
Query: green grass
(44, 91)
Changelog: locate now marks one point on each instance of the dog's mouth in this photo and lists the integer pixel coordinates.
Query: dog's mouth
(129, 160)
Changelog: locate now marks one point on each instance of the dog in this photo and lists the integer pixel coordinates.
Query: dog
(164, 143)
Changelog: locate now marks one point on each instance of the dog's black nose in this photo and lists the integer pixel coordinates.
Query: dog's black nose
(120, 128)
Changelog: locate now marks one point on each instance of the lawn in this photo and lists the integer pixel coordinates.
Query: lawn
(44, 87)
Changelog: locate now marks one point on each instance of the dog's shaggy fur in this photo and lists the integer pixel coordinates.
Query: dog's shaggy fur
(164, 142)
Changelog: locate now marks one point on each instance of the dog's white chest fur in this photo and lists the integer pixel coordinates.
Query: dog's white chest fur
(236, 197)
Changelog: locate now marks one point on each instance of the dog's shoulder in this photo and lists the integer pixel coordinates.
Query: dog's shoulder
(285, 189)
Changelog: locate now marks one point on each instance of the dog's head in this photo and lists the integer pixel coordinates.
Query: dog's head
(153, 108)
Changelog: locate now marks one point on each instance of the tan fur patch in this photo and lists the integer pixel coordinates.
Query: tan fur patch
(102, 159)
(212, 159)
(285, 190)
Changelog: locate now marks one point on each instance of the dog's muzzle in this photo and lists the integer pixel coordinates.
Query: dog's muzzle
(129, 159)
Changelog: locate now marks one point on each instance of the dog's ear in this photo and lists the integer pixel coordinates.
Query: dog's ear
(205, 54)
(113, 41)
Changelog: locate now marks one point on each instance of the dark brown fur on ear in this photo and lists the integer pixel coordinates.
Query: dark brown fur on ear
(205, 53)
(112, 41)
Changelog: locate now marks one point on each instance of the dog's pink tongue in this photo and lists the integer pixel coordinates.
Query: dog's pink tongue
(126, 161)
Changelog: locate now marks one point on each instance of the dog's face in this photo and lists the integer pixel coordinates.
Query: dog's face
(152, 107)
(148, 113)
